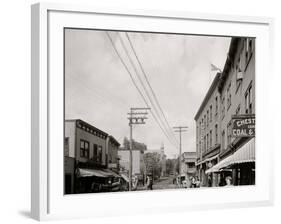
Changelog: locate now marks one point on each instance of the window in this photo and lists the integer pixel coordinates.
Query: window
(249, 101)
(207, 141)
(228, 96)
(217, 106)
(211, 139)
(211, 113)
(84, 149)
(197, 133)
(191, 165)
(205, 122)
(66, 146)
(223, 108)
(99, 153)
(237, 67)
(238, 70)
(95, 156)
(229, 133)
(223, 140)
(216, 134)
(248, 51)
(207, 118)
(110, 158)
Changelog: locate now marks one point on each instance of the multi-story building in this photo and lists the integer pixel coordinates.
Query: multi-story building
(235, 88)
(208, 132)
(87, 150)
(188, 160)
(112, 152)
(137, 157)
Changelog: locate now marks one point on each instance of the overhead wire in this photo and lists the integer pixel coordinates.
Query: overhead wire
(137, 87)
(150, 87)
(147, 92)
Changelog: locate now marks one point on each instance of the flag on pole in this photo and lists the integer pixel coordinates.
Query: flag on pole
(215, 68)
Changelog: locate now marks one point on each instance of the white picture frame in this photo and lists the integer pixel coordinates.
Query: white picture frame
(48, 201)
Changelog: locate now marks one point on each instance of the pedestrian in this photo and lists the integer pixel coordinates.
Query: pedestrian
(228, 181)
(134, 182)
(197, 182)
(209, 181)
(149, 183)
(193, 183)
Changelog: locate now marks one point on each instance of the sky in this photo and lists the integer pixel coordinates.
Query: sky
(100, 91)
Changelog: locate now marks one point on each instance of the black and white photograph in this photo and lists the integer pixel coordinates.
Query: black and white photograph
(157, 111)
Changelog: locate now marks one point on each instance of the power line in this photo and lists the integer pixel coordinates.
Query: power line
(147, 81)
(138, 89)
(148, 95)
(127, 69)
(146, 91)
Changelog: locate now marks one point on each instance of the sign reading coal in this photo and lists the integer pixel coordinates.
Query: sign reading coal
(243, 125)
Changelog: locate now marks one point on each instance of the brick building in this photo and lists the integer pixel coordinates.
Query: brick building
(224, 154)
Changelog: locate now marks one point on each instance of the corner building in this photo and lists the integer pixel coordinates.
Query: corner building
(235, 90)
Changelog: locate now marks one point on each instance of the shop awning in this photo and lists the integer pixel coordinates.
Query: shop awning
(219, 166)
(207, 160)
(112, 173)
(125, 177)
(96, 173)
(245, 154)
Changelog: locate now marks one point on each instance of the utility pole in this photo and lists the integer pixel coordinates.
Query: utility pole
(137, 115)
(180, 129)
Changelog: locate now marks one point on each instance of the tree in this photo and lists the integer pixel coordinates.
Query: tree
(172, 166)
(152, 163)
(169, 166)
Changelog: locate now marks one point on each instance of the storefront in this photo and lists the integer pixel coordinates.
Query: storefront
(69, 175)
(240, 165)
(96, 180)
(208, 179)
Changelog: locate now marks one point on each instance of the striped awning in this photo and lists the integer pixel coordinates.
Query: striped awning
(245, 154)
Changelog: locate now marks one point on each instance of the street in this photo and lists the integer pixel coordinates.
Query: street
(164, 183)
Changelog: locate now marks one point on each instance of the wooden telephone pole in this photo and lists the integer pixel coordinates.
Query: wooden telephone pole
(180, 129)
(136, 116)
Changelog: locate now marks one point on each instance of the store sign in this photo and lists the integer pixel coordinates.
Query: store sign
(243, 125)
